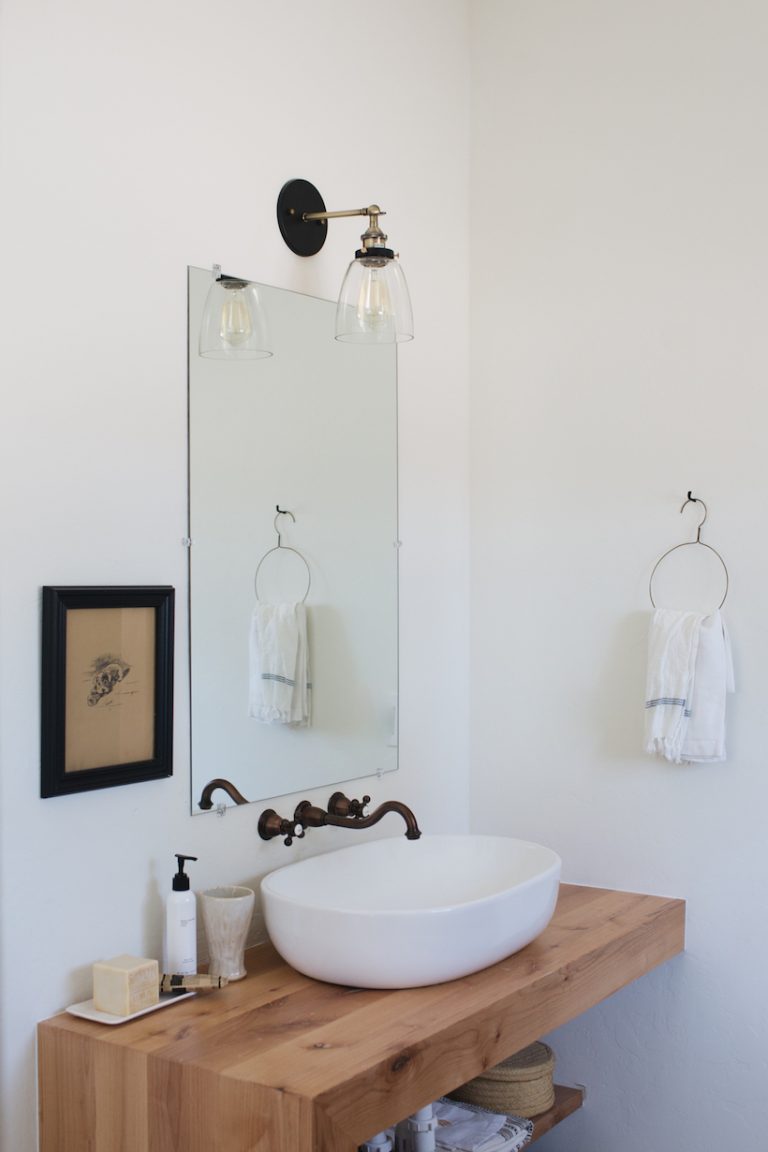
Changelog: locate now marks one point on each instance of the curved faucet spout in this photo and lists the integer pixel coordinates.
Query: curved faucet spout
(344, 813)
(205, 802)
(412, 830)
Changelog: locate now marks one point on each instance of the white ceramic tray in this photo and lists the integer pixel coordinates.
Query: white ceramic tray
(86, 1010)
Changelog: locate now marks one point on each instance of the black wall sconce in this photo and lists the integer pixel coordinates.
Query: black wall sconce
(374, 305)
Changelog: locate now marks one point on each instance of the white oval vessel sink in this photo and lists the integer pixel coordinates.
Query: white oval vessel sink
(400, 913)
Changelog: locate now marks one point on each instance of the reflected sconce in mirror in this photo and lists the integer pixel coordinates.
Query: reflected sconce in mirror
(234, 326)
(374, 305)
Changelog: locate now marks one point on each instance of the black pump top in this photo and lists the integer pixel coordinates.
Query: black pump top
(181, 880)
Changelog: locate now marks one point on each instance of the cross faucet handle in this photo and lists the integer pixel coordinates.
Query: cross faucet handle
(271, 825)
(341, 805)
(292, 828)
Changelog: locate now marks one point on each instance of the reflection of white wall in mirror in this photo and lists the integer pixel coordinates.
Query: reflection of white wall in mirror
(313, 429)
(394, 723)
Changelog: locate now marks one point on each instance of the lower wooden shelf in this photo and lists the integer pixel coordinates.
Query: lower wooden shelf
(567, 1100)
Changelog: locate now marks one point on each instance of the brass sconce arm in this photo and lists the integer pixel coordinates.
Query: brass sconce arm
(373, 237)
(371, 210)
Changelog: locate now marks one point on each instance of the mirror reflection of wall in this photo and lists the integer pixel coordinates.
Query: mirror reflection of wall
(312, 429)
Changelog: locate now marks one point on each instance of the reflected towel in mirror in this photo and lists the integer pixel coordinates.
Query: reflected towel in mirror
(279, 683)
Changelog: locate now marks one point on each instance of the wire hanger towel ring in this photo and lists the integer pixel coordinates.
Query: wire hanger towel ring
(282, 548)
(690, 544)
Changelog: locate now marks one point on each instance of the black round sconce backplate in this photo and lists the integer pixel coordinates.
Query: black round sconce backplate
(304, 237)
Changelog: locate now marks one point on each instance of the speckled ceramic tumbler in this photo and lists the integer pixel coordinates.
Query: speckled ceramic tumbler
(227, 916)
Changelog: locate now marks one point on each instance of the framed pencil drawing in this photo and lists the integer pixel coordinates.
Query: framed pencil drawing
(107, 687)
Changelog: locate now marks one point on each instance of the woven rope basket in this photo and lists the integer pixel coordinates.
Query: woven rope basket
(519, 1086)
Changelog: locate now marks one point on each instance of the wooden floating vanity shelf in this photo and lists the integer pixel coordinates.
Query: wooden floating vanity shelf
(281, 1063)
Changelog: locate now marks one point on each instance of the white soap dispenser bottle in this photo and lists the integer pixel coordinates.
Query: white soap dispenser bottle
(181, 925)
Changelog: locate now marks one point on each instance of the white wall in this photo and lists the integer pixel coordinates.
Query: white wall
(620, 288)
(137, 139)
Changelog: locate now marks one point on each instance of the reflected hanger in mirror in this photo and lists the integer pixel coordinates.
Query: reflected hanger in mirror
(691, 544)
(282, 548)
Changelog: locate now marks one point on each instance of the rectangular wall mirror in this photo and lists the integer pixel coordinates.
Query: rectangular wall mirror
(312, 429)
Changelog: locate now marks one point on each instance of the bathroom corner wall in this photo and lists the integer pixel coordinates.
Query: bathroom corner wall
(137, 140)
(619, 296)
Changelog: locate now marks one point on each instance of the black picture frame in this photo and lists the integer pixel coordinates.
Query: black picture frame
(107, 687)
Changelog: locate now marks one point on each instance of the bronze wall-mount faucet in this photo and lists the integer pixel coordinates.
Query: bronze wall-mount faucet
(342, 813)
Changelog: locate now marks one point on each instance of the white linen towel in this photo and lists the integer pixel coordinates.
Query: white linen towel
(465, 1127)
(470, 1128)
(279, 684)
(681, 722)
(704, 740)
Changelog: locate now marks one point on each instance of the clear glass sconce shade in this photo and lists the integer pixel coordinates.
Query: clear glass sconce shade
(234, 326)
(374, 305)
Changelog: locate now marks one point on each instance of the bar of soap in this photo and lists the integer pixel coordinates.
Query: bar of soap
(125, 985)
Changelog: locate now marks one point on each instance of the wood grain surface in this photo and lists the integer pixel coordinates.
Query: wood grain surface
(281, 1063)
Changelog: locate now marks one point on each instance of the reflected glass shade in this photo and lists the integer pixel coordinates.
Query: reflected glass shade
(374, 305)
(234, 326)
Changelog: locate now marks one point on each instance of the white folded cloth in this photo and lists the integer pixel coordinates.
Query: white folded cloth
(689, 672)
(279, 684)
(462, 1127)
(469, 1128)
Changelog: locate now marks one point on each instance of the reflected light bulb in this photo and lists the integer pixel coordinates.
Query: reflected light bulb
(235, 326)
